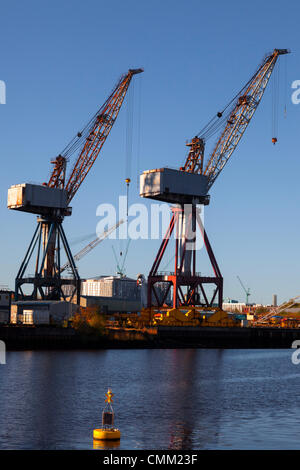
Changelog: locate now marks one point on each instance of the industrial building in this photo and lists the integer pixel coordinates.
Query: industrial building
(5, 303)
(234, 307)
(116, 294)
(111, 293)
(111, 286)
(38, 312)
(111, 305)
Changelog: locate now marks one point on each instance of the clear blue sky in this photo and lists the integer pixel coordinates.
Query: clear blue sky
(60, 59)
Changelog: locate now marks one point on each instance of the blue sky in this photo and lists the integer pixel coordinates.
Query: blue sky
(60, 60)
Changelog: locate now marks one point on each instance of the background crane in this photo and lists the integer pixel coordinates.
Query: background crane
(90, 246)
(190, 185)
(51, 200)
(121, 262)
(247, 291)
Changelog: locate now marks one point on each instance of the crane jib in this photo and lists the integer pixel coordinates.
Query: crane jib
(90, 140)
(233, 120)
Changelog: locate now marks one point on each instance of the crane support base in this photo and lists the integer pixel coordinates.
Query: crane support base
(44, 251)
(187, 287)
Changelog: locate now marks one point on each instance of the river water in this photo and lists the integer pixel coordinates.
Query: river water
(164, 399)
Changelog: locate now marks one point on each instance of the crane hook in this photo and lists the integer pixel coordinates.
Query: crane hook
(274, 140)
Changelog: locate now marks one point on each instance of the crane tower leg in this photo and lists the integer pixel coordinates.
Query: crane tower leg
(46, 283)
(188, 287)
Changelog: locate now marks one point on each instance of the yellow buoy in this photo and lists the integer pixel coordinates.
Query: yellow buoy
(108, 432)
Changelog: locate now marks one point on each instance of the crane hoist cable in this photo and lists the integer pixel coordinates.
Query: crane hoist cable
(128, 150)
(285, 87)
(129, 131)
(129, 142)
(275, 103)
(139, 119)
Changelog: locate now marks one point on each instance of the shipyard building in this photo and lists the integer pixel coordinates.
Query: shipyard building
(111, 293)
(5, 303)
(116, 294)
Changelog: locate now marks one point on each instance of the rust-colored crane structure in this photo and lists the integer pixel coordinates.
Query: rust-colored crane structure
(189, 186)
(51, 202)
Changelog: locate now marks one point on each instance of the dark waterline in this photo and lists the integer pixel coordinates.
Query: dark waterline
(164, 399)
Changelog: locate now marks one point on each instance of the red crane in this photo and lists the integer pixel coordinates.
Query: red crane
(51, 202)
(189, 186)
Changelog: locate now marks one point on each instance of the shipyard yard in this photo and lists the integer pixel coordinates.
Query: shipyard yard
(48, 287)
(149, 261)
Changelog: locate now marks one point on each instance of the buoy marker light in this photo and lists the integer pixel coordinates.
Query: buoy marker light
(108, 432)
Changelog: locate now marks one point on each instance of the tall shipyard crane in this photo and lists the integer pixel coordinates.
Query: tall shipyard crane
(189, 186)
(51, 202)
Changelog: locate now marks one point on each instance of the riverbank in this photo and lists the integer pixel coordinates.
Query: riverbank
(53, 337)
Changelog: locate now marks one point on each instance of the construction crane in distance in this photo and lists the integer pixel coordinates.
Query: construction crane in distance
(247, 291)
(121, 266)
(51, 202)
(188, 187)
(90, 246)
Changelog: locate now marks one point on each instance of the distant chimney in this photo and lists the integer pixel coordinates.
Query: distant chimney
(274, 300)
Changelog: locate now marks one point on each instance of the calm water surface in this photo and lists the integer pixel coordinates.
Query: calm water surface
(164, 399)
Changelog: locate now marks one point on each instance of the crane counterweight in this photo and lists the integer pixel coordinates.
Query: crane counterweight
(37, 199)
(174, 186)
